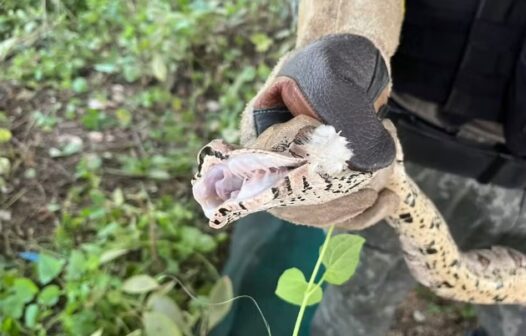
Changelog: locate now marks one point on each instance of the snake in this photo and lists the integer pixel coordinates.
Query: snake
(306, 167)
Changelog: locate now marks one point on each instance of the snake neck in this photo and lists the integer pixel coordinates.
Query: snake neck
(416, 214)
(424, 236)
(406, 189)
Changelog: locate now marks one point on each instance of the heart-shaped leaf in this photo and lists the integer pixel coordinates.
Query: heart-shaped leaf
(124, 117)
(24, 289)
(77, 265)
(341, 257)
(137, 332)
(220, 297)
(139, 284)
(31, 315)
(12, 306)
(109, 255)
(159, 68)
(5, 135)
(292, 287)
(163, 304)
(49, 295)
(158, 324)
(97, 333)
(261, 41)
(48, 267)
(80, 85)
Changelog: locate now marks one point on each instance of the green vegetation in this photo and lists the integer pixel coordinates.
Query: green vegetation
(103, 105)
(339, 255)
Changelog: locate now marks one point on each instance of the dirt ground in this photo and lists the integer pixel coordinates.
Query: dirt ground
(36, 180)
(423, 314)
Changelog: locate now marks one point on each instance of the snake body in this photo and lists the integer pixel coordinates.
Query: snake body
(286, 174)
(495, 275)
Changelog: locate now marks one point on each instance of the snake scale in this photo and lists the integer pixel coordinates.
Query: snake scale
(233, 182)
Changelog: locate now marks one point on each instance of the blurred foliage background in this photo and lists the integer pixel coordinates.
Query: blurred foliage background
(103, 106)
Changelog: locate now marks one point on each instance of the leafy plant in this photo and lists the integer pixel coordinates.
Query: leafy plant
(26, 307)
(105, 104)
(339, 255)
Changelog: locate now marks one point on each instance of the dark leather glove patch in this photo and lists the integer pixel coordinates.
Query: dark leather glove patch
(265, 118)
(337, 80)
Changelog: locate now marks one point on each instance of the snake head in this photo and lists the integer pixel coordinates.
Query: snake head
(300, 162)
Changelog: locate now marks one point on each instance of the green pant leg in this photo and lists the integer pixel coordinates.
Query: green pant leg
(262, 248)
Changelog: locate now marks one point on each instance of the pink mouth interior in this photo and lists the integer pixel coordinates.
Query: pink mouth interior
(240, 178)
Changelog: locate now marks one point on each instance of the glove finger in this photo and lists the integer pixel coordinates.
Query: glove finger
(326, 214)
(386, 203)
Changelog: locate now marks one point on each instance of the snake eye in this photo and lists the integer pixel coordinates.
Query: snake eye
(216, 149)
(205, 151)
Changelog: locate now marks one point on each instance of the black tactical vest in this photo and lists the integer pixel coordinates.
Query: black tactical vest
(468, 56)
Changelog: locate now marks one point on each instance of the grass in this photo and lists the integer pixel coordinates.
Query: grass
(103, 106)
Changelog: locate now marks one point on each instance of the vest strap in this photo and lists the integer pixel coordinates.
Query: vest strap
(429, 146)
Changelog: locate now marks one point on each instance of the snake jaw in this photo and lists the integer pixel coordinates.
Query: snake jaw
(232, 183)
(237, 182)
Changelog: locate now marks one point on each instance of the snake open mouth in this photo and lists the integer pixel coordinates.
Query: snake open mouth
(241, 177)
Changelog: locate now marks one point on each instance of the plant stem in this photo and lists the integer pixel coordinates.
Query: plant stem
(311, 282)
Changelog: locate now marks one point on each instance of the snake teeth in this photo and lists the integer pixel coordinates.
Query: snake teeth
(241, 177)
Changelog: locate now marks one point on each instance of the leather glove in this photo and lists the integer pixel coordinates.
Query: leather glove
(339, 75)
(338, 80)
(297, 170)
(356, 211)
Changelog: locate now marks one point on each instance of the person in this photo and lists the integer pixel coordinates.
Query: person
(452, 76)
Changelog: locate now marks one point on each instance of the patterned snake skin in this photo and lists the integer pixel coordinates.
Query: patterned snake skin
(232, 183)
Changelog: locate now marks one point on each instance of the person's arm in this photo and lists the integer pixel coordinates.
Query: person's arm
(338, 74)
(379, 21)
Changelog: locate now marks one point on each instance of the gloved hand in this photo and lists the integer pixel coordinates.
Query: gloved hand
(339, 74)
(356, 211)
(339, 80)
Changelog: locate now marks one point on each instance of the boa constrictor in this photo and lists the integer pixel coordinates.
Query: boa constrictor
(232, 183)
